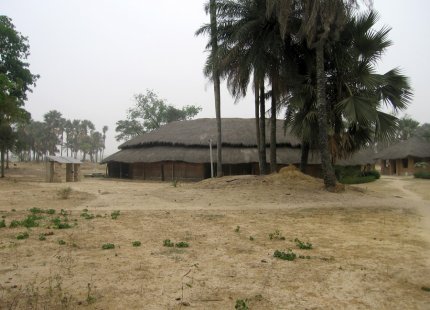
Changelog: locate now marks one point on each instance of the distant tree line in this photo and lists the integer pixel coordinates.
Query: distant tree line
(57, 135)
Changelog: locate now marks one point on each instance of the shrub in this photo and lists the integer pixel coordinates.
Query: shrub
(373, 173)
(289, 255)
(182, 244)
(61, 242)
(30, 221)
(14, 224)
(108, 246)
(114, 215)
(357, 180)
(303, 245)
(42, 237)
(168, 243)
(64, 192)
(58, 224)
(422, 175)
(2, 224)
(136, 243)
(36, 210)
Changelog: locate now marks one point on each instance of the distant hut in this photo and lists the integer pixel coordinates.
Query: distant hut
(363, 160)
(400, 158)
(60, 169)
(181, 150)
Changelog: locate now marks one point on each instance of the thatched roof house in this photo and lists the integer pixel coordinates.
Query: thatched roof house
(181, 150)
(400, 158)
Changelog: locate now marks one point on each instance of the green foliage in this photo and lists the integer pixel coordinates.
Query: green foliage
(136, 243)
(22, 236)
(303, 245)
(108, 246)
(182, 244)
(61, 242)
(241, 304)
(59, 224)
(357, 180)
(87, 216)
(168, 243)
(29, 221)
(276, 235)
(251, 238)
(354, 175)
(42, 237)
(114, 215)
(289, 255)
(237, 229)
(64, 192)
(2, 224)
(304, 257)
(422, 175)
(425, 288)
(149, 113)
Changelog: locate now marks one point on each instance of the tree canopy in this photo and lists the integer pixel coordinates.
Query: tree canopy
(149, 113)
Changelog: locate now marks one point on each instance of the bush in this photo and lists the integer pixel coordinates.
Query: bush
(289, 255)
(182, 244)
(373, 173)
(108, 246)
(2, 224)
(114, 215)
(422, 175)
(168, 243)
(136, 243)
(357, 180)
(22, 236)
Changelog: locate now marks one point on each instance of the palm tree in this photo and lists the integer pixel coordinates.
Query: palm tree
(104, 130)
(355, 92)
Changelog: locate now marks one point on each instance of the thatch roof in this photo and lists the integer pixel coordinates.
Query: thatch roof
(231, 155)
(413, 147)
(238, 132)
(362, 157)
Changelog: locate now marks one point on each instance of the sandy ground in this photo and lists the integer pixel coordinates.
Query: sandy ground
(371, 244)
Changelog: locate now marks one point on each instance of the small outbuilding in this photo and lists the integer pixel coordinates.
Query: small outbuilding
(62, 169)
(401, 158)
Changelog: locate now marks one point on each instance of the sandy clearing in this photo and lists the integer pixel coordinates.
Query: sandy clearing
(371, 245)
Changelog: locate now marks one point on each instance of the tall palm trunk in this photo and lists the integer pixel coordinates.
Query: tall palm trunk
(2, 150)
(257, 121)
(304, 156)
(216, 80)
(327, 168)
(263, 169)
(273, 164)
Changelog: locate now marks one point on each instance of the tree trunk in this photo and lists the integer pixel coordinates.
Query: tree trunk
(257, 122)
(263, 169)
(2, 161)
(304, 156)
(273, 165)
(216, 80)
(7, 158)
(327, 168)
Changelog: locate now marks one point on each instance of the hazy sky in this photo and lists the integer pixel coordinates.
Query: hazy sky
(94, 55)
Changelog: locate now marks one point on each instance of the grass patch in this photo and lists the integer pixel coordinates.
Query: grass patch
(64, 193)
(241, 304)
(59, 224)
(22, 236)
(168, 243)
(182, 244)
(28, 222)
(108, 246)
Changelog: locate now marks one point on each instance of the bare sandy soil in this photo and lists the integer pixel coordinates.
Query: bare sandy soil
(370, 244)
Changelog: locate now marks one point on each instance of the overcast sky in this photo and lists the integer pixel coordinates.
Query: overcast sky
(94, 55)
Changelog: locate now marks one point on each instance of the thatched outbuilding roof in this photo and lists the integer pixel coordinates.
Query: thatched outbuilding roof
(360, 158)
(413, 147)
(238, 132)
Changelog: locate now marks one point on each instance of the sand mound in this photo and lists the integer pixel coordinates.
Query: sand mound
(287, 176)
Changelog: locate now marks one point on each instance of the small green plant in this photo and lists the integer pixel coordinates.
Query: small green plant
(87, 216)
(42, 237)
(276, 235)
(58, 224)
(182, 244)
(13, 210)
(36, 210)
(108, 246)
(303, 245)
(30, 221)
(237, 229)
(64, 193)
(289, 255)
(2, 224)
(22, 236)
(425, 288)
(63, 212)
(114, 215)
(136, 243)
(422, 175)
(14, 224)
(50, 211)
(241, 304)
(61, 242)
(251, 238)
(168, 243)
